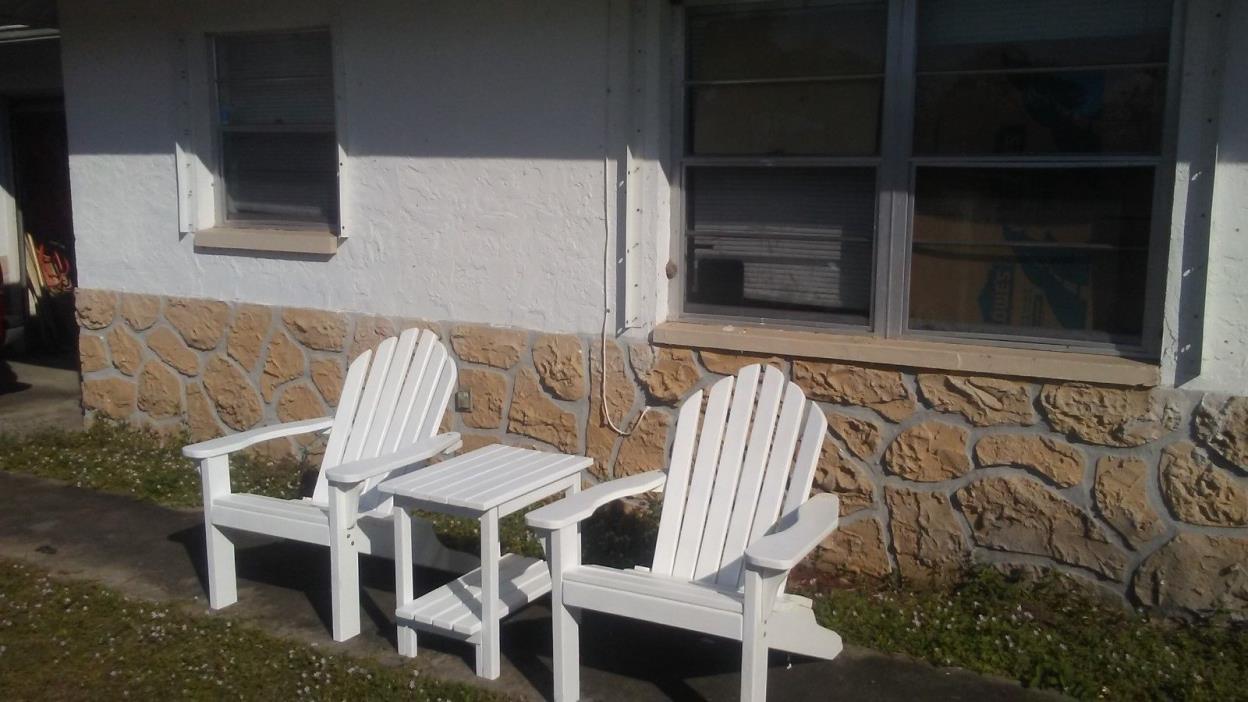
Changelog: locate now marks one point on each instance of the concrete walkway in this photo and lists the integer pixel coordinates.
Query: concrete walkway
(157, 553)
(42, 396)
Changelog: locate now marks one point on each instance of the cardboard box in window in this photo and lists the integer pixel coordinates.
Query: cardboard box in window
(959, 287)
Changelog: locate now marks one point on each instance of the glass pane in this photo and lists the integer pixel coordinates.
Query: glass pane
(840, 118)
(790, 43)
(1004, 34)
(781, 242)
(1041, 77)
(1074, 112)
(282, 177)
(1047, 252)
(274, 79)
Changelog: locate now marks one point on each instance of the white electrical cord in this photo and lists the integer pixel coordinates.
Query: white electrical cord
(606, 243)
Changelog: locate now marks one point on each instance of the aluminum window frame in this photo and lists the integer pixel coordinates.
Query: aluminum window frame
(218, 130)
(896, 166)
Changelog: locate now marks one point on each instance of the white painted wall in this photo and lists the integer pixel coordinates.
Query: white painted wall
(1224, 355)
(479, 137)
(476, 133)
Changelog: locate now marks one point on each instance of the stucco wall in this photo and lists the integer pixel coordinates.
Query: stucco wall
(493, 152)
(476, 134)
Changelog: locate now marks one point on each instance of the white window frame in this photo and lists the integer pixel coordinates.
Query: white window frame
(895, 163)
(200, 187)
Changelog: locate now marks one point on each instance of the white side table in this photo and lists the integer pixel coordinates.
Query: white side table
(486, 484)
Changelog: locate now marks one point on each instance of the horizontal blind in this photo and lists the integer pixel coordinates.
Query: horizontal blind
(275, 79)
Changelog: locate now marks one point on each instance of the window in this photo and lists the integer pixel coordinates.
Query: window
(994, 177)
(276, 142)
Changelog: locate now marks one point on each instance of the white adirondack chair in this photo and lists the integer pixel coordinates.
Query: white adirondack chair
(724, 549)
(385, 425)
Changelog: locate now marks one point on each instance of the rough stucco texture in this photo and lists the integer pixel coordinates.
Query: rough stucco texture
(475, 161)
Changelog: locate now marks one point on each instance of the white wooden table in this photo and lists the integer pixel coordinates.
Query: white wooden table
(487, 485)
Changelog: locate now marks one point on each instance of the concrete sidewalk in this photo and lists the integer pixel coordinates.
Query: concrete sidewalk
(38, 396)
(157, 553)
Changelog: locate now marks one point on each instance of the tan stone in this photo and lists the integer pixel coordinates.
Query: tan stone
(200, 421)
(927, 538)
(621, 396)
(883, 391)
(160, 391)
(95, 309)
(112, 397)
(126, 351)
(1121, 493)
(861, 436)
(982, 401)
(560, 364)
(489, 394)
(929, 452)
(200, 322)
(283, 364)
(237, 402)
(490, 346)
(317, 329)
(1199, 492)
(646, 448)
(327, 376)
(667, 374)
(92, 354)
(729, 363)
(247, 334)
(1020, 515)
(855, 549)
(369, 332)
(536, 416)
(1197, 573)
(140, 311)
(1109, 416)
(1052, 458)
(850, 482)
(472, 442)
(169, 347)
(298, 402)
(1222, 424)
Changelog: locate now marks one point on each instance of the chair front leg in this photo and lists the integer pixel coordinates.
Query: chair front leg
(222, 578)
(344, 561)
(564, 552)
(761, 588)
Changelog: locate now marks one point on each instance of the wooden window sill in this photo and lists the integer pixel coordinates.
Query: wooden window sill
(317, 242)
(931, 355)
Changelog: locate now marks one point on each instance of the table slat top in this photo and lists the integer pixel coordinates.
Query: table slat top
(486, 478)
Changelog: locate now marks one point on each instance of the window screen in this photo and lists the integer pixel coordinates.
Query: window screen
(765, 238)
(279, 154)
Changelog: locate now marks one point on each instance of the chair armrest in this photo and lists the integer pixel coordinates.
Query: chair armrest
(578, 507)
(803, 529)
(354, 472)
(241, 440)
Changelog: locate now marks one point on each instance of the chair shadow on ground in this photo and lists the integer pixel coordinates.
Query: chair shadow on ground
(664, 656)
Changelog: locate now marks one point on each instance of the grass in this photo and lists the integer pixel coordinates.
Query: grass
(68, 641)
(1045, 633)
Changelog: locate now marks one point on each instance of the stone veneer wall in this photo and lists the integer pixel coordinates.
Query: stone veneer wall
(1143, 493)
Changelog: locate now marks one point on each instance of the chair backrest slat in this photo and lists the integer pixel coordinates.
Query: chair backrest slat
(700, 481)
(748, 466)
(677, 483)
(754, 416)
(392, 396)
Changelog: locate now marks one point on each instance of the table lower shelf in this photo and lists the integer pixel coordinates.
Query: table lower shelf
(456, 607)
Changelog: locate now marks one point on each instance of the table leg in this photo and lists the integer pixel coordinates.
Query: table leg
(404, 588)
(488, 655)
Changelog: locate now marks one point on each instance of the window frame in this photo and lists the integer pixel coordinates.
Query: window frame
(896, 166)
(217, 130)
